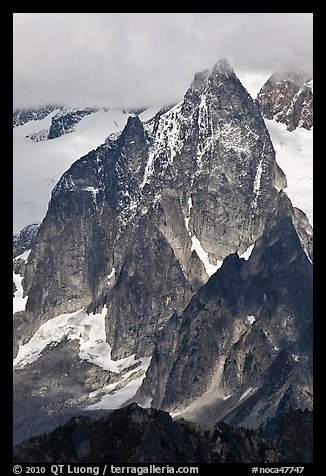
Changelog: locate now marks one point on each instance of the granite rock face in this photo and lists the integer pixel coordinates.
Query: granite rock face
(134, 230)
(242, 349)
(65, 121)
(287, 97)
(202, 171)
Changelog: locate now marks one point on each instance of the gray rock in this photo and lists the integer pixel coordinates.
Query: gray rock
(22, 116)
(24, 240)
(64, 122)
(287, 97)
(249, 327)
(213, 149)
(121, 231)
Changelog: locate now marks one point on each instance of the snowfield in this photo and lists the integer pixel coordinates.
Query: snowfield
(294, 154)
(89, 331)
(37, 166)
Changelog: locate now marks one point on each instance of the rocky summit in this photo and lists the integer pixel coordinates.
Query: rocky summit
(287, 97)
(172, 270)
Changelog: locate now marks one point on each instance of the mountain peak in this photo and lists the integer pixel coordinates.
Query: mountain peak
(222, 67)
(115, 299)
(200, 79)
(293, 74)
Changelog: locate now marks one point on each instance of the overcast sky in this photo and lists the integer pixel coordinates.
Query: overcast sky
(138, 59)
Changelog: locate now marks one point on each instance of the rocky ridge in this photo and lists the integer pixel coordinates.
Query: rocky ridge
(24, 240)
(22, 116)
(136, 435)
(242, 347)
(63, 122)
(287, 97)
(193, 187)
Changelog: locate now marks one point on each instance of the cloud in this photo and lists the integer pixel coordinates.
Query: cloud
(138, 59)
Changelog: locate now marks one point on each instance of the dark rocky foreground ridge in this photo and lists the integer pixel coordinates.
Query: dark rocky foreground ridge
(138, 229)
(137, 435)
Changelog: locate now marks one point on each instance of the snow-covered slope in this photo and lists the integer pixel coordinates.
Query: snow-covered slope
(89, 331)
(37, 166)
(294, 154)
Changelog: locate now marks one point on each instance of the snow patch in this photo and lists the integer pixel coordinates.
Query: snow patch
(167, 138)
(310, 85)
(188, 214)
(236, 138)
(227, 396)
(251, 319)
(88, 329)
(116, 397)
(149, 168)
(111, 274)
(92, 190)
(294, 154)
(246, 255)
(306, 252)
(276, 348)
(19, 303)
(149, 113)
(246, 393)
(295, 357)
(257, 181)
(24, 256)
(203, 256)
